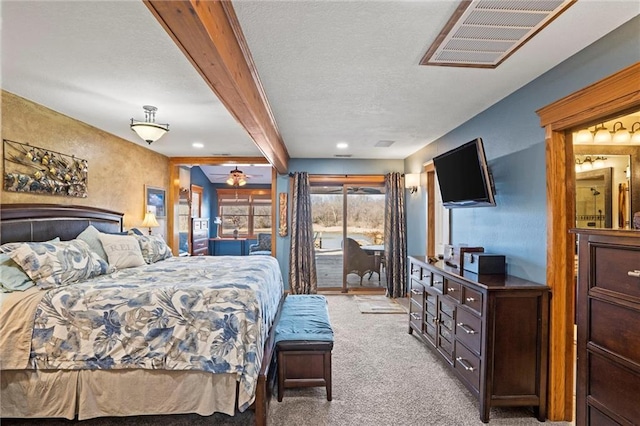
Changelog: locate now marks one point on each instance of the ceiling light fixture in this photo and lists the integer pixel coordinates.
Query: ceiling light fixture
(149, 130)
(197, 145)
(236, 178)
(342, 145)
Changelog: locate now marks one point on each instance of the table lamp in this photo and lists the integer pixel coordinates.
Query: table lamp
(218, 222)
(150, 221)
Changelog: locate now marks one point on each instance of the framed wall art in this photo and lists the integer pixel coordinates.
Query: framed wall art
(36, 170)
(155, 201)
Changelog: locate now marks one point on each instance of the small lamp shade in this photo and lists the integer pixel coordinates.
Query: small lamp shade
(150, 221)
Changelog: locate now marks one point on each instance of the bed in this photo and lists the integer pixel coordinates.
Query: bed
(180, 335)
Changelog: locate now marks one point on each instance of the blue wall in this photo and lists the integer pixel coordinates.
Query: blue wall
(329, 166)
(515, 149)
(208, 195)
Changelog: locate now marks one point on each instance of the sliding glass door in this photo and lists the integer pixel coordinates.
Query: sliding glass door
(348, 226)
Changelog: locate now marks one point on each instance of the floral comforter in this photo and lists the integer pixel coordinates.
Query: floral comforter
(184, 313)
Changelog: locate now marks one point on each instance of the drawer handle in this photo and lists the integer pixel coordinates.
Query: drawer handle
(416, 292)
(435, 320)
(466, 328)
(437, 282)
(470, 299)
(415, 316)
(450, 290)
(464, 364)
(634, 273)
(415, 271)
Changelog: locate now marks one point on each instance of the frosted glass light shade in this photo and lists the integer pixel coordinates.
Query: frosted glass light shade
(149, 132)
(584, 136)
(412, 181)
(602, 136)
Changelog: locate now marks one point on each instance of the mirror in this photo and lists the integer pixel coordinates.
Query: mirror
(603, 191)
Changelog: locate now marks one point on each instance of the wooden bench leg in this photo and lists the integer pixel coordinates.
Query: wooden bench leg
(327, 373)
(280, 376)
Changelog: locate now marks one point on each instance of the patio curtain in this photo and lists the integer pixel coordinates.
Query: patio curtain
(303, 278)
(395, 236)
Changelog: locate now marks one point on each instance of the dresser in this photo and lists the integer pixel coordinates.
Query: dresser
(491, 330)
(199, 237)
(608, 319)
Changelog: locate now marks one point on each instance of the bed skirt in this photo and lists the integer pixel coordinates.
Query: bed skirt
(87, 394)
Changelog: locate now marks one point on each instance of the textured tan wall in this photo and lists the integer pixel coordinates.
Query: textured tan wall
(118, 169)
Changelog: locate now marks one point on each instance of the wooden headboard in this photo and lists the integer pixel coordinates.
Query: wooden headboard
(42, 222)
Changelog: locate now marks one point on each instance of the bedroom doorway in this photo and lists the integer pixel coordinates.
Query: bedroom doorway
(348, 230)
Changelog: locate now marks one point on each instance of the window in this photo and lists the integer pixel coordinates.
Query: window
(247, 210)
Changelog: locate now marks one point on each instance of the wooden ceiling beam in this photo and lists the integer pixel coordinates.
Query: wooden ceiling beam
(209, 34)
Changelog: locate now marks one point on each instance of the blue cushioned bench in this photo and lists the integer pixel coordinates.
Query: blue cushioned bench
(304, 340)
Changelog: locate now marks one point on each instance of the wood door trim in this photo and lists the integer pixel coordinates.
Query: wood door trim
(209, 35)
(608, 97)
(430, 172)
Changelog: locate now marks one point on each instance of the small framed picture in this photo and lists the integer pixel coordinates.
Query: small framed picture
(155, 200)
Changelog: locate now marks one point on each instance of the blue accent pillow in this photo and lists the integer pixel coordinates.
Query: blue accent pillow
(12, 276)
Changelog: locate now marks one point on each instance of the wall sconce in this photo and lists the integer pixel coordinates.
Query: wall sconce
(621, 135)
(412, 182)
(635, 133)
(590, 163)
(601, 135)
(148, 129)
(150, 221)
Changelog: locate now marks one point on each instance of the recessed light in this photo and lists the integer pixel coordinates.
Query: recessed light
(197, 145)
(342, 145)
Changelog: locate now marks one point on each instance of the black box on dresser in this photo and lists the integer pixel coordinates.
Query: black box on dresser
(490, 329)
(484, 263)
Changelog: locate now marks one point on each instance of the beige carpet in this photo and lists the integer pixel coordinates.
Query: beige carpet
(378, 305)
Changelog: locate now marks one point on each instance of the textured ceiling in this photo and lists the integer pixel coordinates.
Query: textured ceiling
(333, 71)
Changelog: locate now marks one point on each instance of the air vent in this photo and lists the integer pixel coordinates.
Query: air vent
(384, 144)
(342, 155)
(483, 33)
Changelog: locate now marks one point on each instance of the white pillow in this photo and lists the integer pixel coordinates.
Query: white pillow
(123, 251)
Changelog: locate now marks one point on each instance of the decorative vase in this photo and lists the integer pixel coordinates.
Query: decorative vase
(235, 233)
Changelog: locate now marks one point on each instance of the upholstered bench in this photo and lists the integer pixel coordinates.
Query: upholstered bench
(304, 340)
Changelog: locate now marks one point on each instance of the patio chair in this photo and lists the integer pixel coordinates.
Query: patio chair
(359, 262)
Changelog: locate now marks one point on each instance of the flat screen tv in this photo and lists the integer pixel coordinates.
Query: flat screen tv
(464, 177)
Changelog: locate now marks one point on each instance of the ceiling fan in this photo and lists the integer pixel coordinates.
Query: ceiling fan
(358, 190)
(235, 177)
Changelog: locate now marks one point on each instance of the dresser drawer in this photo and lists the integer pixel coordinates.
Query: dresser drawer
(469, 330)
(613, 387)
(437, 282)
(472, 299)
(415, 315)
(616, 329)
(417, 290)
(468, 365)
(416, 271)
(453, 290)
(200, 244)
(612, 268)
